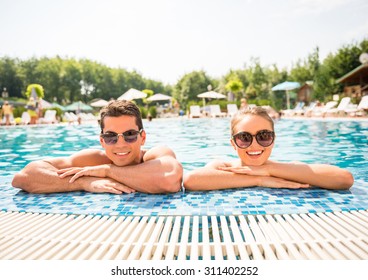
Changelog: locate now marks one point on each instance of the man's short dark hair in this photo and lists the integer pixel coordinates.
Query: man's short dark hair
(119, 108)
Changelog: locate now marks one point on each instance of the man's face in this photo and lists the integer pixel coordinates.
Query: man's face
(123, 153)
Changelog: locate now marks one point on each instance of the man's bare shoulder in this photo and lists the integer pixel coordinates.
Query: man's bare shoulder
(157, 152)
(86, 157)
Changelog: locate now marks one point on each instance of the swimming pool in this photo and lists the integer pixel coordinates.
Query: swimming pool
(196, 142)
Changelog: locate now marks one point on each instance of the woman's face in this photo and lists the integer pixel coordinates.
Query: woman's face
(255, 154)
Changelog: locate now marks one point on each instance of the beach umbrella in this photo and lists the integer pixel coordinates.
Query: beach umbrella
(159, 97)
(132, 94)
(210, 94)
(99, 103)
(44, 103)
(286, 86)
(78, 106)
(57, 105)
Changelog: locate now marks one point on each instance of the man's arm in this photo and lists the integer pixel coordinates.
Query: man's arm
(160, 172)
(321, 175)
(211, 178)
(41, 176)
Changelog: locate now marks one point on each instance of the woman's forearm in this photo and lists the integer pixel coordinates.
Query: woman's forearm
(321, 175)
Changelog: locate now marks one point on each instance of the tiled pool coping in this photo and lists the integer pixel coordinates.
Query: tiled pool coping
(225, 202)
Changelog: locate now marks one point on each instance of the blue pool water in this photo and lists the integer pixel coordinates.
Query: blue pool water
(196, 142)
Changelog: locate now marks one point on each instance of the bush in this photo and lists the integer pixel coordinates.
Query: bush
(143, 112)
(152, 111)
(18, 111)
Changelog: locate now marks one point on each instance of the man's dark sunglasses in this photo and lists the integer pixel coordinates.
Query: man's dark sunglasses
(130, 136)
(244, 139)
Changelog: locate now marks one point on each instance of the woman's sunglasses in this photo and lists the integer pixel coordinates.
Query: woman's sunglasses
(244, 139)
(130, 136)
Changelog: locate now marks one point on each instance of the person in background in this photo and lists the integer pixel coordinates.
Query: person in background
(252, 137)
(31, 109)
(121, 167)
(7, 112)
(243, 104)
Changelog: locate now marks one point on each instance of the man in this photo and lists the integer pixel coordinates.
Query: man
(122, 167)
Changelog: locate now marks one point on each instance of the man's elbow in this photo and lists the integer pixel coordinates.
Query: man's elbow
(172, 181)
(20, 181)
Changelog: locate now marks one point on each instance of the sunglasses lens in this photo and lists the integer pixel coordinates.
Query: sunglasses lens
(130, 136)
(243, 140)
(110, 139)
(265, 138)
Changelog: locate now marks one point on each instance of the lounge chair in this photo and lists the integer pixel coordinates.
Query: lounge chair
(216, 112)
(195, 111)
(321, 111)
(50, 117)
(360, 109)
(307, 111)
(26, 118)
(291, 112)
(232, 109)
(343, 105)
(70, 117)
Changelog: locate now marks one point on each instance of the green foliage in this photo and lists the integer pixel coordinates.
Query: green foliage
(143, 112)
(189, 86)
(18, 111)
(61, 77)
(38, 89)
(152, 111)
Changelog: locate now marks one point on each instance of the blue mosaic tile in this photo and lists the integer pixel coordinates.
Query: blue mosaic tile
(226, 202)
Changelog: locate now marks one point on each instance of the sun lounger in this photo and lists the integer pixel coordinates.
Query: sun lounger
(195, 111)
(26, 118)
(340, 108)
(232, 109)
(321, 111)
(360, 109)
(50, 117)
(291, 112)
(216, 112)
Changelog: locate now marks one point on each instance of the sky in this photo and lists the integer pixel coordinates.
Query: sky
(165, 39)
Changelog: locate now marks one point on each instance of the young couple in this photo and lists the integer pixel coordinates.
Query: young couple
(124, 167)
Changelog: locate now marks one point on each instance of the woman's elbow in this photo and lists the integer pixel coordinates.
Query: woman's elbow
(347, 180)
(190, 182)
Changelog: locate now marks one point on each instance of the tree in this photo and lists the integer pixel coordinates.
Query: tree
(37, 88)
(189, 86)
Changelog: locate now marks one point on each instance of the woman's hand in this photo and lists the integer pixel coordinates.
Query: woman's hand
(261, 170)
(93, 171)
(274, 182)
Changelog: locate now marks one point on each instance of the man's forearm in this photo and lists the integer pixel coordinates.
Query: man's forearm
(153, 176)
(41, 177)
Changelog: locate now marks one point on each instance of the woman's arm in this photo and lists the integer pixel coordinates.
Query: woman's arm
(321, 175)
(211, 177)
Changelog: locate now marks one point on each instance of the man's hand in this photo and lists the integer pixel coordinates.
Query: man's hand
(92, 171)
(97, 185)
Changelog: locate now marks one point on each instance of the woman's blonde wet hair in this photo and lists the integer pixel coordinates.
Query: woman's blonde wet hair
(254, 111)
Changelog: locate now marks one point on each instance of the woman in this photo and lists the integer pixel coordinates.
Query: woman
(253, 138)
